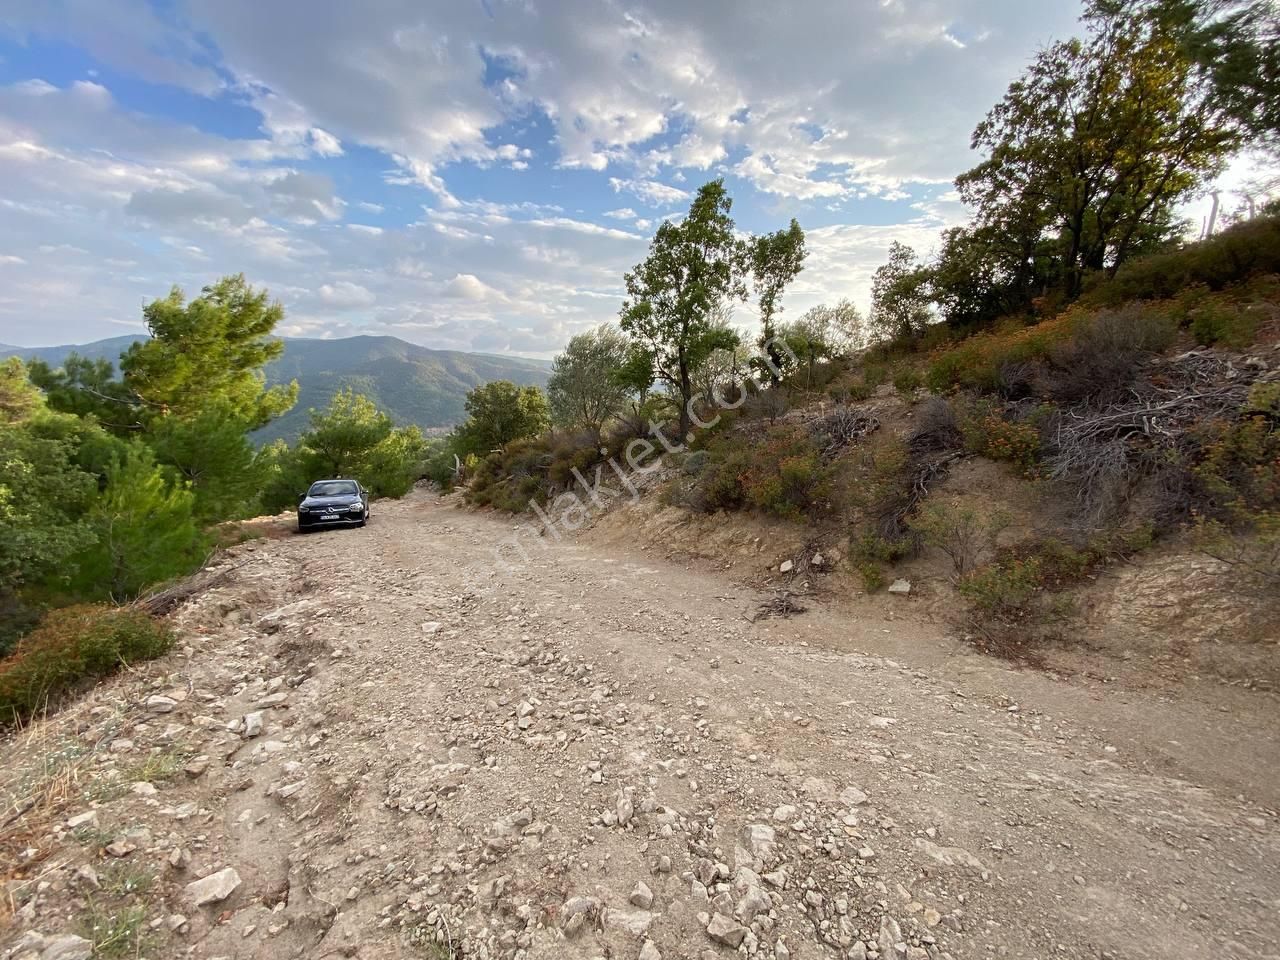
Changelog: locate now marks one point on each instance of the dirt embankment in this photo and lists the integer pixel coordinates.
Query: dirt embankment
(377, 743)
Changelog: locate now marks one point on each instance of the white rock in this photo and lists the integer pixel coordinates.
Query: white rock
(900, 586)
(67, 947)
(721, 929)
(649, 951)
(786, 566)
(634, 922)
(87, 819)
(214, 888)
(641, 896)
(252, 724)
(161, 704)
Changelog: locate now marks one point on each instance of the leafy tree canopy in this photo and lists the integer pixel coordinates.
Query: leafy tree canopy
(585, 388)
(500, 412)
(209, 351)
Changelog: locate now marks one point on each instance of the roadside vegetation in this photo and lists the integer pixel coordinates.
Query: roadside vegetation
(1070, 332)
(112, 483)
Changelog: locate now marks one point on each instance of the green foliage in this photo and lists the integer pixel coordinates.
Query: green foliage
(776, 259)
(500, 413)
(1225, 260)
(208, 352)
(71, 645)
(88, 388)
(990, 435)
(1216, 323)
(907, 381)
(873, 578)
(585, 388)
(513, 478)
(899, 297)
(144, 530)
(211, 452)
(350, 438)
(964, 533)
(822, 333)
(784, 476)
(692, 267)
(1095, 145)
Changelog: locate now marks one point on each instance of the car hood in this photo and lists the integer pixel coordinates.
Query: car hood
(346, 500)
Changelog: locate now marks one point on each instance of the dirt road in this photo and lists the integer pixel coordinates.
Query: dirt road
(401, 750)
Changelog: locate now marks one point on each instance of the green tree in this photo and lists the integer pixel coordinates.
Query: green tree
(211, 452)
(498, 413)
(823, 332)
(144, 529)
(585, 388)
(1097, 143)
(89, 388)
(899, 296)
(1234, 46)
(350, 438)
(776, 259)
(692, 267)
(210, 351)
(44, 494)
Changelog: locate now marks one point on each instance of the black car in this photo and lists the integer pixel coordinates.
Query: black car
(333, 503)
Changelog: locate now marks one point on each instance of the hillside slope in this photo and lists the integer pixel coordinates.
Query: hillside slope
(416, 385)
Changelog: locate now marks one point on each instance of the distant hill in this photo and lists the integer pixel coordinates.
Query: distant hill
(416, 385)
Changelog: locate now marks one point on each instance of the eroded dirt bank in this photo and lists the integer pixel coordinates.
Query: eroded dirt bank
(395, 746)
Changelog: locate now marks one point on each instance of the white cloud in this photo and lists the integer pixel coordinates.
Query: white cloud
(345, 295)
(467, 286)
(652, 192)
(623, 213)
(365, 229)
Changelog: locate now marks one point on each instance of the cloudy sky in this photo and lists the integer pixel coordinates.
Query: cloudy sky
(469, 174)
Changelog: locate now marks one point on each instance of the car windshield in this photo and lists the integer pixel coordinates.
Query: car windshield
(333, 488)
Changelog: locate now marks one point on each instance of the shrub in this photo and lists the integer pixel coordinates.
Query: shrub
(1218, 323)
(784, 476)
(907, 381)
(989, 435)
(1099, 361)
(71, 645)
(937, 427)
(873, 578)
(963, 533)
(1245, 250)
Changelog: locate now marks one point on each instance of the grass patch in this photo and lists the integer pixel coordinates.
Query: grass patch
(116, 932)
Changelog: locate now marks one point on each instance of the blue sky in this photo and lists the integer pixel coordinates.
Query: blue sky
(469, 175)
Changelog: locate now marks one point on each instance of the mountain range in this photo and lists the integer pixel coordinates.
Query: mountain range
(416, 385)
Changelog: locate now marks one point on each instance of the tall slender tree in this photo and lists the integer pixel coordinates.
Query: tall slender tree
(692, 267)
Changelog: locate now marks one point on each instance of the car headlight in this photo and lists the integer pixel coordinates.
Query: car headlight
(356, 506)
(303, 509)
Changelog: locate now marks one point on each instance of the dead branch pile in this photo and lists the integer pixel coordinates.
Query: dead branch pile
(841, 428)
(1104, 451)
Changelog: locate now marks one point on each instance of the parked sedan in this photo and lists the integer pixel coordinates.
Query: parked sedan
(333, 503)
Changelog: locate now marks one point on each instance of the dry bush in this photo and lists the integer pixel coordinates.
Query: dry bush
(841, 428)
(1099, 362)
(72, 645)
(937, 427)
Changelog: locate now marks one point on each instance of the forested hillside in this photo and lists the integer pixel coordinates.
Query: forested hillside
(415, 385)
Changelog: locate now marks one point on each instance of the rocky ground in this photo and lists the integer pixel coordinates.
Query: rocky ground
(378, 743)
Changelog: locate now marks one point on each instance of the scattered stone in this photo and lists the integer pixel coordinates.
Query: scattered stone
(948, 856)
(853, 797)
(649, 951)
(161, 704)
(725, 930)
(634, 922)
(196, 766)
(67, 947)
(87, 819)
(252, 725)
(900, 586)
(214, 888)
(786, 567)
(120, 848)
(641, 896)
